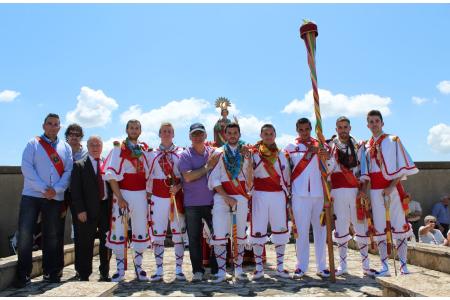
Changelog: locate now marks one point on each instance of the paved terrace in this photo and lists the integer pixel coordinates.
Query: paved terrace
(354, 284)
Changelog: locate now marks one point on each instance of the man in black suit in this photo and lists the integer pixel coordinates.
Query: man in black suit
(91, 202)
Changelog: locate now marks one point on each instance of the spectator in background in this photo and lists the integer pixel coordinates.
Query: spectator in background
(441, 211)
(429, 235)
(414, 216)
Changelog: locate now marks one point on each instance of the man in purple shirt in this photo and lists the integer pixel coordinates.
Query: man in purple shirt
(195, 163)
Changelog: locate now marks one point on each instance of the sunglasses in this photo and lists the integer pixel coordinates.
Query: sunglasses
(432, 222)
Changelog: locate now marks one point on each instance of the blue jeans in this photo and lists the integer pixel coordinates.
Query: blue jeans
(194, 215)
(50, 210)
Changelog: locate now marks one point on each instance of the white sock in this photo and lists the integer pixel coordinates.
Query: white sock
(364, 252)
(343, 255)
(179, 255)
(258, 251)
(402, 251)
(240, 258)
(279, 249)
(382, 250)
(158, 250)
(120, 261)
(221, 255)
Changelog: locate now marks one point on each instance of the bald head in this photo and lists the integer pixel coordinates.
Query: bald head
(95, 146)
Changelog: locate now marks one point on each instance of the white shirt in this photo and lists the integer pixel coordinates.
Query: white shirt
(414, 206)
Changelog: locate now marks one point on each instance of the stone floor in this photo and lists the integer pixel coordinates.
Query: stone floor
(354, 284)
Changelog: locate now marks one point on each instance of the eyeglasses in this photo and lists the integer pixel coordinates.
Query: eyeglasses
(74, 134)
(432, 222)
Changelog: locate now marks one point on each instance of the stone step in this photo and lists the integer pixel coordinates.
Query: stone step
(428, 256)
(426, 283)
(8, 264)
(82, 289)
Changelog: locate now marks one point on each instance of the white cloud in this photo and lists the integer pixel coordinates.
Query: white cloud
(419, 100)
(439, 138)
(444, 87)
(8, 95)
(339, 104)
(284, 139)
(93, 109)
(179, 113)
(182, 113)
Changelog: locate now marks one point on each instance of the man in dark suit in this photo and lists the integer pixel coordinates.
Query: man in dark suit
(91, 202)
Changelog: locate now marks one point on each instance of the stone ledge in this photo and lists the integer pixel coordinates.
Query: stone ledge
(432, 257)
(82, 289)
(8, 264)
(423, 165)
(424, 284)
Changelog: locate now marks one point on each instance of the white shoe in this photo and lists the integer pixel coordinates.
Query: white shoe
(198, 276)
(340, 272)
(240, 275)
(221, 278)
(283, 274)
(370, 272)
(298, 274)
(404, 271)
(257, 275)
(323, 273)
(180, 276)
(156, 278)
(383, 273)
(118, 277)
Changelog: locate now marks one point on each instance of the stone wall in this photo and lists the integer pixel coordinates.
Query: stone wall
(11, 185)
(426, 187)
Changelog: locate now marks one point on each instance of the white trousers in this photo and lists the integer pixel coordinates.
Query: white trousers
(344, 206)
(269, 208)
(307, 212)
(138, 209)
(400, 228)
(159, 219)
(222, 220)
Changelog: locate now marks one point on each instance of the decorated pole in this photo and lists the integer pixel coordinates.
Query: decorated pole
(308, 32)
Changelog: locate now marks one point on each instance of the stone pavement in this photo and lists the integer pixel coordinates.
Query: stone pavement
(354, 284)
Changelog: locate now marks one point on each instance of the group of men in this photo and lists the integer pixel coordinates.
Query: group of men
(232, 192)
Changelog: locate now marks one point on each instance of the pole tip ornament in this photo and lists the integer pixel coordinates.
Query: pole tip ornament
(223, 103)
(307, 27)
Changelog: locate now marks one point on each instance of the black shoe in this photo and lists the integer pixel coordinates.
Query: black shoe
(104, 278)
(51, 278)
(21, 283)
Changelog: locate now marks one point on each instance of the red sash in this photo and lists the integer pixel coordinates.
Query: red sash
(375, 149)
(53, 155)
(378, 182)
(303, 163)
(268, 166)
(167, 168)
(233, 190)
(266, 184)
(133, 182)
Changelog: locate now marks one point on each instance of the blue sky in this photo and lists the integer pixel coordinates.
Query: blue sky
(101, 64)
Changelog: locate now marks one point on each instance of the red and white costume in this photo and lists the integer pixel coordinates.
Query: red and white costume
(385, 160)
(131, 173)
(344, 191)
(164, 173)
(269, 206)
(221, 214)
(307, 202)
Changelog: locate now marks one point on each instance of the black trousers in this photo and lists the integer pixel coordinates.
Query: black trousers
(50, 210)
(84, 237)
(194, 226)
